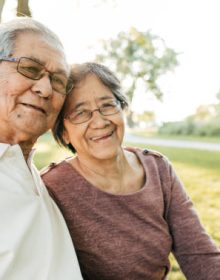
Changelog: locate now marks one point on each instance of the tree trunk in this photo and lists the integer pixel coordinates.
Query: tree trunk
(130, 121)
(23, 8)
(2, 2)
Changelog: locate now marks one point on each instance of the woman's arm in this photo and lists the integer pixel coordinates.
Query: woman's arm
(195, 251)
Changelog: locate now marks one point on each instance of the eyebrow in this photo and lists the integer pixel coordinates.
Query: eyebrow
(78, 105)
(106, 98)
(58, 71)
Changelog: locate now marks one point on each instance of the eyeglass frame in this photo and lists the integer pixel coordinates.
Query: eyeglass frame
(18, 59)
(90, 112)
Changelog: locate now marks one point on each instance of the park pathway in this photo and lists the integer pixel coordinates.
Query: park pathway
(172, 143)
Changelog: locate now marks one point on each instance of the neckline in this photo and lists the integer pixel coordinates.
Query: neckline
(97, 190)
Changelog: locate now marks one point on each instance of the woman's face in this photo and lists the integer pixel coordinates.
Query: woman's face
(101, 136)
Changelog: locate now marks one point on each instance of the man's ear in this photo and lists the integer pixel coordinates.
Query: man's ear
(65, 137)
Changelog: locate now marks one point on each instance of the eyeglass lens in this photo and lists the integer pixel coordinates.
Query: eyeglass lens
(34, 70)
(81, 116)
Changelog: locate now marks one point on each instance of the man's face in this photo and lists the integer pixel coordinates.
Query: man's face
(28, 108)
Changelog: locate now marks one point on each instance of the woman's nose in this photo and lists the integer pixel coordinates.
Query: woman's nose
(98, 120)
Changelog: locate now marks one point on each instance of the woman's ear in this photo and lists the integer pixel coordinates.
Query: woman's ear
(65, 137)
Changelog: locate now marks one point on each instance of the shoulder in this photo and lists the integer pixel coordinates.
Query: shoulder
(148, 152)
(145, 152)
(56, 176)
(151, 158)
(51, 167)
(54, 171)
(48, 168)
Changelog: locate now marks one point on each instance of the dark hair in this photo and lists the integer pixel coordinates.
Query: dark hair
(78, 73)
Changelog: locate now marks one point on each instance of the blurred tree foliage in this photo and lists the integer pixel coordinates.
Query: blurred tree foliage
(147, 116)
(21, 10)
(139, 59)
(205, 122)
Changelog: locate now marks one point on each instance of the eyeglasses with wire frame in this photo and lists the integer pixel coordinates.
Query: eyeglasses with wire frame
(107, 109)
(34, 70)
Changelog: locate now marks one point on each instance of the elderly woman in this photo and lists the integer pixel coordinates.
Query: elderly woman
(125, 208)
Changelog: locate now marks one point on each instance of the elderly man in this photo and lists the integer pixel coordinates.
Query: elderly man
(34, 80)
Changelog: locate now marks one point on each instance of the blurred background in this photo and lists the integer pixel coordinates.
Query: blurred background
(167, 56)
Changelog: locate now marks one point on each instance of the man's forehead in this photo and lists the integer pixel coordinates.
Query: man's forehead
(62, 70)
(42, 50)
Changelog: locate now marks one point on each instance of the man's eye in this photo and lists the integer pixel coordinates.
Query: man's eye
(59, 80)
(30, 69)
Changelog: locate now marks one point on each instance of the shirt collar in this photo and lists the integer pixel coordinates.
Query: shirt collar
(4, 147)
(30, 157)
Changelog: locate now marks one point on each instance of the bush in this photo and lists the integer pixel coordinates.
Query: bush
(192, 127)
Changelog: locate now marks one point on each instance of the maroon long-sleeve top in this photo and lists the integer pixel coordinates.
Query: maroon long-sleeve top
(130, 237)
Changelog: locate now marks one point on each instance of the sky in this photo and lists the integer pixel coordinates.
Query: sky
(190, 27)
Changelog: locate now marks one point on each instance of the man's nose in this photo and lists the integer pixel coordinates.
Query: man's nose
(43, 86)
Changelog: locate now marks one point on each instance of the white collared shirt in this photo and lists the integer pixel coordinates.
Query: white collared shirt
(34, 240)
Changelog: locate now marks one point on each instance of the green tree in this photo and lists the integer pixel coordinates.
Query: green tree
(204, 122)
(204, 112)
(147, 116)
(138, 58)
(217, 105)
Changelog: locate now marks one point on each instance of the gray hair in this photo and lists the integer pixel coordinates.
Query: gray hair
(9, 32)
(78, 73)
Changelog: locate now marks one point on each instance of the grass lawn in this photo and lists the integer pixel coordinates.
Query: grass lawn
(147, 134)
(199, 170)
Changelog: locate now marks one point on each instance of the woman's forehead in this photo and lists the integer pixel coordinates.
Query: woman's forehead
(77, 103)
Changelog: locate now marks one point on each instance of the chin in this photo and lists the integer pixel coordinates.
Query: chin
(34, 133)
(106, 154)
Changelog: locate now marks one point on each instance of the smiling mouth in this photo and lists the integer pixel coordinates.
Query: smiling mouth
(101, 137)
(34, 107)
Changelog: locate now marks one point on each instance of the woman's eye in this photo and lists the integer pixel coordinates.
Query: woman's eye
(80, 113)
(108, 105)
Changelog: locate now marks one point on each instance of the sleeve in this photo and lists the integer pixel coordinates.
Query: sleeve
(46, 179)
(195, 251)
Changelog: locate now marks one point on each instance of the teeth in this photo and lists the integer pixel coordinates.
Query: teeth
(35, 107)
(96, 138)
(100, 137)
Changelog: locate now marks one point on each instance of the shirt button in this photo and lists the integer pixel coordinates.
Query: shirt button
(145, 151)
